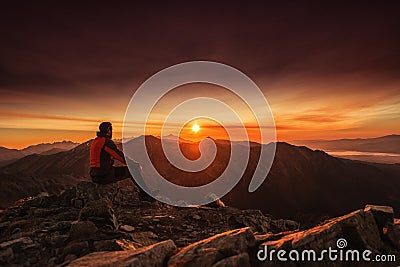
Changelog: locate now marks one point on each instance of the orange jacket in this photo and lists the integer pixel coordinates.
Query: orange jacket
(103, 151)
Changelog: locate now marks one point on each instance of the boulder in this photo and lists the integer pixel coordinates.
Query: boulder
(6, 256)
(56, 240)
(69, 258)
(61, 226)
(83, 230)
(358, 228)
(100, 212)
(214, 249)
(145, 238)
(115, 245)
(127, 196)
(50, 201)
(153, 255)
(255, 220)
(383, 215)
(196, 217)
(76, 248)
(18, 243)
(88, 191)
(43, 212)
(240, 260)
(107, 245)
(67, 196)
(127, 228)
(393, 233)
(4, 225)
(281, 225)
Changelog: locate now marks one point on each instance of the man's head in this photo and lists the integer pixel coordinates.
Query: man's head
(106, 128)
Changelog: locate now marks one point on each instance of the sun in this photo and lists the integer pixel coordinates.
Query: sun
(195, 128)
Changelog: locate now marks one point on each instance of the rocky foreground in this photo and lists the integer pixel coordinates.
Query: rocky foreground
(113, 225)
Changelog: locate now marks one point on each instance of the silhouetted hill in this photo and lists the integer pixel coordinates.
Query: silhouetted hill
(74, 162)
(385, 149)
(303, 183)
(8, 155)
(36, 173)
(45, 147)
(384, 144)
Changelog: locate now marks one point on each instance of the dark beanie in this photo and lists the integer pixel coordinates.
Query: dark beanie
(104, 127)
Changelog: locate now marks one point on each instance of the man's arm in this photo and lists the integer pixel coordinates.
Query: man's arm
(114, 152)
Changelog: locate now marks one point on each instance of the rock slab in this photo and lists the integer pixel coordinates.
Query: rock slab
(153, 255)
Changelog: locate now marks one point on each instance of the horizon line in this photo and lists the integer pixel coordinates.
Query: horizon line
(218, 139)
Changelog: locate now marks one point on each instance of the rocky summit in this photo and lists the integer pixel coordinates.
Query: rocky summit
(114, 225)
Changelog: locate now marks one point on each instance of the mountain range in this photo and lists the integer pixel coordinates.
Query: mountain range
(303, 184)
(7, 155)
(384, 149)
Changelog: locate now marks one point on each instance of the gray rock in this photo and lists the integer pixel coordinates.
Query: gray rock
(69, 258)
(115, 245)
(153, 255)
(76, 248)
(50, 201)
(240, 260)
(62, 226)
(358, 228)
(196, 217)
(88, 191)
(16, 243)
(41, 212)
(83, 230)
(100, 212)
(393, 233)
(70, 215)
(279, 225)
(260, 223)
(4, 225)
(107, 245)
(127, 228)
(56, 240)
(67, 196)
(127, 196)
(6, 255)
(211, 250)
(146, 238)
(383, 215)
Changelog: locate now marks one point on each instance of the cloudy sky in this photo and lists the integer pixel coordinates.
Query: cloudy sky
(329, 70)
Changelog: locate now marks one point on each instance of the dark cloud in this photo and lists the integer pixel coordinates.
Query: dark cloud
(90, 46)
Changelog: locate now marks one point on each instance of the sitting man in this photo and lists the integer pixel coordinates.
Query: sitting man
(103, 151)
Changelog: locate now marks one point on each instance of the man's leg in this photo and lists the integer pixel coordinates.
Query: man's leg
(122, 173)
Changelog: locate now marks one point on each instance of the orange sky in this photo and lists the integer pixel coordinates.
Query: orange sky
(328, 71)
(299, 115)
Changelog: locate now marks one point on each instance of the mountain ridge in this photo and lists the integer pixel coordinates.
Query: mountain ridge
(301, 181)
(383, 144)
(8, 155)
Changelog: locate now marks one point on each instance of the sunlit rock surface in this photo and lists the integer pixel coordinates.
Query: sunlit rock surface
(91, 225)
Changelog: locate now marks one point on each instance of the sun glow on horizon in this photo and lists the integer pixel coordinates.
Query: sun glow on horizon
(196, 128)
